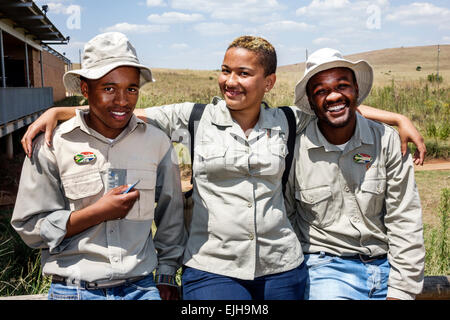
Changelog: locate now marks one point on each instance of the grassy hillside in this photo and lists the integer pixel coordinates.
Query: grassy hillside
(397, 63)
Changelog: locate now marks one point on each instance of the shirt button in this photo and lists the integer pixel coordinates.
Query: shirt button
(251, 236)
(249, 205)
(115, 259)
(355, 219)
(346, 189)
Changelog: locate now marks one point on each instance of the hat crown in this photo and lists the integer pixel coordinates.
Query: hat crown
(322, 56)
(107, 48)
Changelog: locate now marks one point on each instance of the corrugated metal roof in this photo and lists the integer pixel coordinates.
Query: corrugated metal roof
(27, 15)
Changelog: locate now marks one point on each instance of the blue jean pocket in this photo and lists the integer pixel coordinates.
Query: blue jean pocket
(144, 289)
(62, 292)
(314, 261)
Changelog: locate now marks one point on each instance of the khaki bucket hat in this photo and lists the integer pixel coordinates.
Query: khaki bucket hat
(103, 54)
(324, 59)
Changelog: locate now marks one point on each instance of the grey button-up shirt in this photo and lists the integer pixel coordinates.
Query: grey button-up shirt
(362, 200)
(53, 185)
(239, 225)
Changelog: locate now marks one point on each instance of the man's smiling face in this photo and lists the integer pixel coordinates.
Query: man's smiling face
(333, 95)
(112, 100)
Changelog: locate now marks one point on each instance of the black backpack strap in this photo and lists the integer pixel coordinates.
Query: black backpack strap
(196, 115)
(290, 117)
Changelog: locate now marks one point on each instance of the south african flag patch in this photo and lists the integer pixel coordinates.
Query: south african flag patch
(362, 158)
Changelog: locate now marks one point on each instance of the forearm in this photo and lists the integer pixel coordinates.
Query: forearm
(387, 117)
(66, 113)
(82, 219)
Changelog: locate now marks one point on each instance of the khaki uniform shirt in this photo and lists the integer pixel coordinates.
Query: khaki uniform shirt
(239, 225)
(53, 185)
(344, 206)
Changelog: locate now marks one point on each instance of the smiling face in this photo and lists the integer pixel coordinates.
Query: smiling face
(242, 81)
(333, 96)
(112, 100)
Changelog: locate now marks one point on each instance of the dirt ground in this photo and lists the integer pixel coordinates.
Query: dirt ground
(434, 164)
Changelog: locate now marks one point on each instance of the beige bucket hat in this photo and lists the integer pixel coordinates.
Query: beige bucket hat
(102, 54)
(324, 59)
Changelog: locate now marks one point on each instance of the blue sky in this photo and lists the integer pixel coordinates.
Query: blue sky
(194, 34)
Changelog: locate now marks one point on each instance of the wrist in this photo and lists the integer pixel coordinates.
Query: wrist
(401, 120)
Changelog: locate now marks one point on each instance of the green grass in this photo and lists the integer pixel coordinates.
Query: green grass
(20, 269)
(437, 259)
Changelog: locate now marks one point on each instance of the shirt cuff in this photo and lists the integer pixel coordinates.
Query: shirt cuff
(399, 294)
(53, 230)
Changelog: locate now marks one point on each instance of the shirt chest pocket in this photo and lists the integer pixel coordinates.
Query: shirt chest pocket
(82, 189)
(144, 207)
(213, 162)
(370, 196)
(316, 205)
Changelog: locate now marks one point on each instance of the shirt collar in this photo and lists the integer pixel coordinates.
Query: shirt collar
(362, 135)
(221, 116)
(79, 122)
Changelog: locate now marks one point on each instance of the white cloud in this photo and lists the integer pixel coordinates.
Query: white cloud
(286, 25)
(174, 17)
(56, 6)
(322, 7)
(253, 10)
(325, 41)
(216, 28)
(126, 27)
(420, 13)
(156, 3)
(179, 46)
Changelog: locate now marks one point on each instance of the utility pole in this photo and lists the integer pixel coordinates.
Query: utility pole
(439, 50)
(437, 75)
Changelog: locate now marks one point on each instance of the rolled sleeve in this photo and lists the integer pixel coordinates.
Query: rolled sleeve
(171, 236)
(41, 212)
(53, 230)
(403, 221)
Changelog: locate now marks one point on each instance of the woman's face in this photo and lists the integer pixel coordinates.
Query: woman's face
(242, 80)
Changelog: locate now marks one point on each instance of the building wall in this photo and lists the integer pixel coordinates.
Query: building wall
(54, 69)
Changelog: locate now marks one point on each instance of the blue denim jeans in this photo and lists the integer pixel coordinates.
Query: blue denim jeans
(201, 285)
(334, 278)
(144, 289)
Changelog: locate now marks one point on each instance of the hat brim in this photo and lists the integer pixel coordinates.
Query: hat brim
(71, 79)
(364, 78)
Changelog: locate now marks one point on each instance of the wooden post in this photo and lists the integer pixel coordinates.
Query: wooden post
(435, 288)
(27, 66)
(9, 146)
